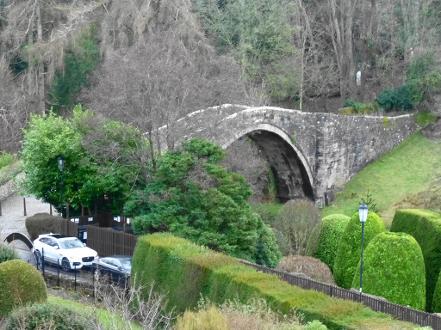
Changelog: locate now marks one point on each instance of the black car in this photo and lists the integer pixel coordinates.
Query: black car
(116, 268)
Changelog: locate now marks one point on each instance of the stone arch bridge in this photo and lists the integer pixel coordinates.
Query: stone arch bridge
(311, 154)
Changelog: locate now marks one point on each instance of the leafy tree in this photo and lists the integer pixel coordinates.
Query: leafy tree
(102, 158)
(192, 196)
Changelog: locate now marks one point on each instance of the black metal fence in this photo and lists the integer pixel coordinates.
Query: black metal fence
(380, 305)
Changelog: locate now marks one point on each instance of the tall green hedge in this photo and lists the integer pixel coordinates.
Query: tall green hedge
(425, 227)
(186, 271)
(20, 284)
(394, 269)
(349, 249)
(332, 229)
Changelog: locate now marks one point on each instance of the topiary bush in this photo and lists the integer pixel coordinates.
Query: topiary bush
(186, 272)
(425, 227)
(349, 248)
(42, 223)
(331, 231)
(391, 260)
(311, 267)
(7, 253)
(20, 284)
(48, 316)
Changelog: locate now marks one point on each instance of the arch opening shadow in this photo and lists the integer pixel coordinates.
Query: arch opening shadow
(292, 179)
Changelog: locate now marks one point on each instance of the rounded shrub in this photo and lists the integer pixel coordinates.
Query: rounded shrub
(42, 223)
(7, 253)
(349, 248)
(20, 284)
(331, 232)
(47, 316)
(394, 269)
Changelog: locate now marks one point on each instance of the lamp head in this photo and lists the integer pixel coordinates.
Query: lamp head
(60, 162)
(363, 212)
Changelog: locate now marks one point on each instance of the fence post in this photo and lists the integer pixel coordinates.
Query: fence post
(42, 261)
(24, 207)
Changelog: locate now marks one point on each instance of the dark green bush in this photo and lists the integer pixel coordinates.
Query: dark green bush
(186, 271)
(20, 284)
(48, 316)
(7, 253)
(399, 98)
(42, 223)
(331, 232)
(425, 227)
(349, 248)
(391, 260)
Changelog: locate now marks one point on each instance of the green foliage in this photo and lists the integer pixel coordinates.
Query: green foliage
(425, 227)
(399, 98)
(80, 60)
(102, 157)
(47, 316)
(349, 248)
(20, 284)
(259, 34)
(42, 223)
(331, 231)
(6, 159)
(194, 197)
(390, 260)
(7, 253)
(352, 107)
(424, 118)
(186, 271)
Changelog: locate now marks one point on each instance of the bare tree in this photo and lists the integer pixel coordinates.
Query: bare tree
(158, 67)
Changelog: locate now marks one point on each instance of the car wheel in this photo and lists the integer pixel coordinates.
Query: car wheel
(65, 265)
(38, 259)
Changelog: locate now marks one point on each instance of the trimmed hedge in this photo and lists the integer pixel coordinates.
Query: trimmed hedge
(48, 316)
(185, 271)
(42, 223)
(332, 229)
(425, 227)
(349, 248)
(394, 269)
(20, 284)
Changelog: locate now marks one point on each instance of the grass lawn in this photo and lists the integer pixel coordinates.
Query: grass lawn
(408, 169)
(107, 320)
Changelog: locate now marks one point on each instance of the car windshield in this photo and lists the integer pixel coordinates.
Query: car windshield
(71, 243)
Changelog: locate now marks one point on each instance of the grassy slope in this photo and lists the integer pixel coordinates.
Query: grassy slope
(408, 169)
(107, 319)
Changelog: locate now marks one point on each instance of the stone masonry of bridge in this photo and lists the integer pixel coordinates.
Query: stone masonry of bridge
(311, 154)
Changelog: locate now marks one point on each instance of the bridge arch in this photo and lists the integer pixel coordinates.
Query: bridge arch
(290, 167)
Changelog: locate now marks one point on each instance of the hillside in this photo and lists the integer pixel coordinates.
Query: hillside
(407, 176)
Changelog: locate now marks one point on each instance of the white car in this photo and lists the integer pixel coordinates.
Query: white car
(68, 252)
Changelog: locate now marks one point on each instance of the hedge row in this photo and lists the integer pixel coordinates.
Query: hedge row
(425, 227)
(185, 271)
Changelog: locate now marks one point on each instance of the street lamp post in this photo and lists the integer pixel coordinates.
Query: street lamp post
(60, 163)
(362, 214)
